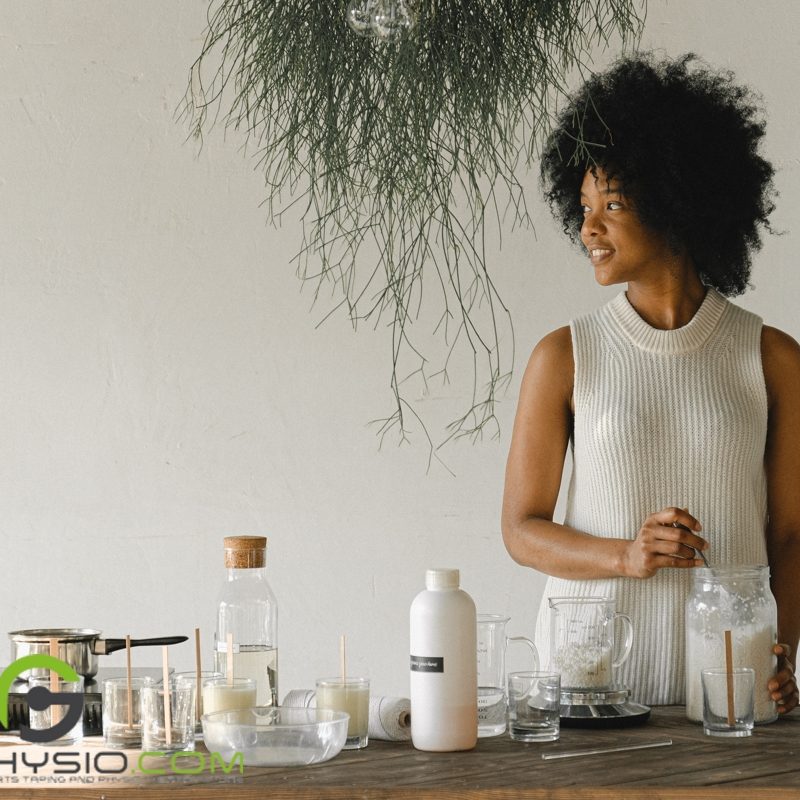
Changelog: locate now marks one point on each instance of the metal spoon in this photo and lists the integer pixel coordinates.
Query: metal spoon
(699, 552)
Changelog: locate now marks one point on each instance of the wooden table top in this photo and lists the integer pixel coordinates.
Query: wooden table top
(765, 765)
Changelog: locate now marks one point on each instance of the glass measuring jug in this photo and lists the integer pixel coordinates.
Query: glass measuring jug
(582, 641)
(492, 697)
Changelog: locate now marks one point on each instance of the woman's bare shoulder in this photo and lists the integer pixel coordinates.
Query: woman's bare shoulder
(780, 357)
(779, 343)
(552, 361)
(553, 350)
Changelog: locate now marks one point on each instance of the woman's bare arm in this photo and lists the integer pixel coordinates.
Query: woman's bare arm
(535, 464)
(781, 361)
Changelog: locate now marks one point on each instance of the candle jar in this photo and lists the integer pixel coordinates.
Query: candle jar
(49, 718)
(168, 717)
(223, 694)
(738, 599)
(122, 711)
(191, 677)
(352, 696)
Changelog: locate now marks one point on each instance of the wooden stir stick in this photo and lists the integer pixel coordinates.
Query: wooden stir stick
(55, 710)
(167, 701)
(128, 675)
(229, 654)
(729, 676)
(198, 703)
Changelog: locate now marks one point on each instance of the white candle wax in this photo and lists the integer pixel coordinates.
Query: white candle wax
(352, 699)
(218, 695)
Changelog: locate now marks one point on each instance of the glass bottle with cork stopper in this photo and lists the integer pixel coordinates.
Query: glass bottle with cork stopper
(247, 618)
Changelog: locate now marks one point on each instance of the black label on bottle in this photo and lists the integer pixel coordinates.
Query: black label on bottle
(427, 664)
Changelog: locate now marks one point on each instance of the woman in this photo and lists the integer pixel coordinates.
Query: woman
(682, 410)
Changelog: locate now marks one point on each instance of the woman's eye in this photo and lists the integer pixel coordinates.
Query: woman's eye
(613, 205)
(585, 209)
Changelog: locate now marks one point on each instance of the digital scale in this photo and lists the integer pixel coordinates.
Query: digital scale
(601, 708)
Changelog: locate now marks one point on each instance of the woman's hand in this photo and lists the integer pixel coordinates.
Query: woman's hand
(664, 540)
(783, 687)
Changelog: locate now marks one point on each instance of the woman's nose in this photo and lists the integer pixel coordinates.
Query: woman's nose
(592, 225)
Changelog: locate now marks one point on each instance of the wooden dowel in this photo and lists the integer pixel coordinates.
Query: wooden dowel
(729, 677)
(167, 701)
(55, 710)
(198, 703)
(229, 653)
(128, 673)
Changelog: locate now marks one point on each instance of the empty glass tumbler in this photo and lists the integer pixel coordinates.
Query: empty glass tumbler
(533, 706)
(168, 717)
(122, 711)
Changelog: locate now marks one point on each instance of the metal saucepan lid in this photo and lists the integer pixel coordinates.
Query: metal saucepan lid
(90, 636)
(43, 635)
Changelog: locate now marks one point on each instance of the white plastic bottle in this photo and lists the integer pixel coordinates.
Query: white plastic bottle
(444, 681)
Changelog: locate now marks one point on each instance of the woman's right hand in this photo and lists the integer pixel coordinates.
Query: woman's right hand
(666, 539)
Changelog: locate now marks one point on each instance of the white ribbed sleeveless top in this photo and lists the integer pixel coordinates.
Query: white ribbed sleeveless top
(665, 418)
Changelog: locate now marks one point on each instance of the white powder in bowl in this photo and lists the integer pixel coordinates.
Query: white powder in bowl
(583, 666)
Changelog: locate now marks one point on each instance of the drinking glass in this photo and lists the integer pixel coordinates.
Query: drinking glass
(191, 675)
(168, 717)
(728, 707)
(122, 715)
(533, 706)
(52, 715)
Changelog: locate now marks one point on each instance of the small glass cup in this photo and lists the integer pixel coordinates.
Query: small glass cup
(175, 717)
(53, 715)
(205, 674)
(533, 706)
(219, 695)
(352, 696)
(723, 716)
(120, 728)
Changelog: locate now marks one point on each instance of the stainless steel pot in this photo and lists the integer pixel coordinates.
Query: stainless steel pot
(79, 647)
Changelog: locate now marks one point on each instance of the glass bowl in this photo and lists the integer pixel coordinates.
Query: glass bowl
(271, 736)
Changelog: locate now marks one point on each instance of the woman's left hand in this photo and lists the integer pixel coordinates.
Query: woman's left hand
(783, 687)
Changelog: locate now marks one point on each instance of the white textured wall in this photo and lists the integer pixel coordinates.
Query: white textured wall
(162, 384)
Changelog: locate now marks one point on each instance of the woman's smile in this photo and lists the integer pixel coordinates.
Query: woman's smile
(600, 254)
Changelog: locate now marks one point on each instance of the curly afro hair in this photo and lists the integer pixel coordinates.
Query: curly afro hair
(683, 141)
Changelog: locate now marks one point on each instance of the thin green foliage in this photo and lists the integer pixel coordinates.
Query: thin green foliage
(408, 148)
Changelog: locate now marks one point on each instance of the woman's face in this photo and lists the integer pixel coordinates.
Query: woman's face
(620, 247)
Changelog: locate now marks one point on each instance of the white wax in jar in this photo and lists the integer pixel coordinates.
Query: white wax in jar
(352, 699)
(583, 666)
(752, 647)
(219, 696)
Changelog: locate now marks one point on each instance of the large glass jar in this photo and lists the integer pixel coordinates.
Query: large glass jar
(737, 599)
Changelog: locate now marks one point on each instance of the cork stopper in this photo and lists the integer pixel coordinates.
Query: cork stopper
(245, 552)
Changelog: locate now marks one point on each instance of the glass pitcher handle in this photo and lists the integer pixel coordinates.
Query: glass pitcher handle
(530, 644)
(626, 648)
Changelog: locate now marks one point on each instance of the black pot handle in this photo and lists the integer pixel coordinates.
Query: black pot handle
(104, 646)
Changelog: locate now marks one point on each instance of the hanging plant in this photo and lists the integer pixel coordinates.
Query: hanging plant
(396, 128)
